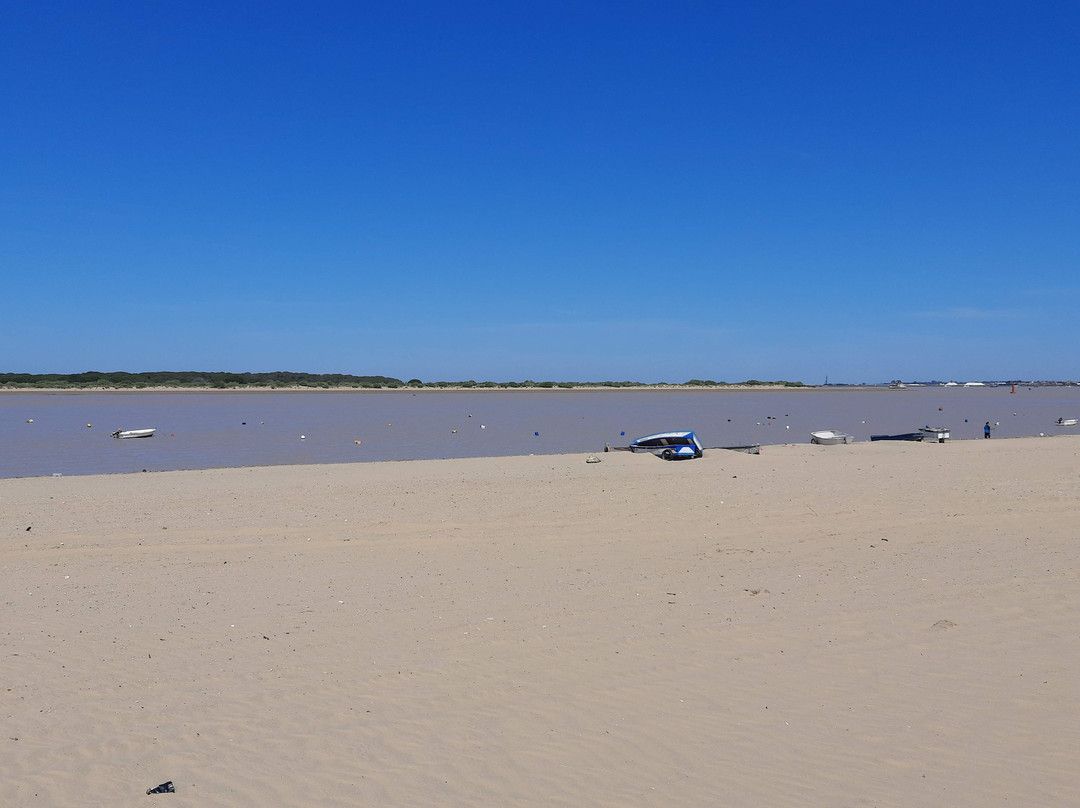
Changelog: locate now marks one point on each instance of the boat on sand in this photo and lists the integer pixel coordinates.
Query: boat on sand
(670, 445)
(940, 432)
(830, 437)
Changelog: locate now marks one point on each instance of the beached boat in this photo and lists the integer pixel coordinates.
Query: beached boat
(903, 436)
(670, 445)
(1067, 421)
(939, 432)
(134, 433)
(830, 437)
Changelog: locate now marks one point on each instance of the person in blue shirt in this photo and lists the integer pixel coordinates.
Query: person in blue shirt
(986, 430)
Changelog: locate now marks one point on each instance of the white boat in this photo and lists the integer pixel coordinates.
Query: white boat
(830, 437)
(1067, 421)
(134, 433)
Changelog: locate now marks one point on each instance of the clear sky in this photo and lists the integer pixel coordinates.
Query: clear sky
(646, 191)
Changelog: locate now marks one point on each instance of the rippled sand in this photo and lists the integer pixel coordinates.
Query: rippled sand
(882, 624)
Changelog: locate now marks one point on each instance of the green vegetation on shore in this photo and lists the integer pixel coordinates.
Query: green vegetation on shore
(120, 380)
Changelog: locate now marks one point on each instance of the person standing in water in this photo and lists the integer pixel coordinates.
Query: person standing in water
(986, 430)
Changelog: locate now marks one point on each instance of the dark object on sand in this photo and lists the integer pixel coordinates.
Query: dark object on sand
(164, 788)
(754, 448)
(905, 436)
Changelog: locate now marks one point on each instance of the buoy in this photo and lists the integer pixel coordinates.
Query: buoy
(940, 409)
(29, 420)
(623, 432)
(88, 426)
(537, 434)
(356, 442)
(453, 431)
(303, 437)
(482, 426)
(389, 424)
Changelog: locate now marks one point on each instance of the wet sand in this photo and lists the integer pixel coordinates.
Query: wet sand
(880, 624)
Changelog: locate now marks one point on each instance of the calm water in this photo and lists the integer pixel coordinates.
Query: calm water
(214, 430)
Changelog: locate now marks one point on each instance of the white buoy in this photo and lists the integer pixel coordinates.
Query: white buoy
(303, 437)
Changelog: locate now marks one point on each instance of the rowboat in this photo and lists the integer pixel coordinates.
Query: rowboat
(903, 436)
(134, 433)
(830, 437)
(1066, 421)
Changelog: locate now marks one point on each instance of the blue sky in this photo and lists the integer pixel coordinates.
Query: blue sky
(652, 191)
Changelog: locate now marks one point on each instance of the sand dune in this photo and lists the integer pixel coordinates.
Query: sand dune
(864, 625)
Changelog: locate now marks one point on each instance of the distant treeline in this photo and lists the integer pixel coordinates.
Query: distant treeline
(285, 379)
(185, 378)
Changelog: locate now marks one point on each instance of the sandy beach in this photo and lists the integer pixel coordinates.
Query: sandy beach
(880, 624)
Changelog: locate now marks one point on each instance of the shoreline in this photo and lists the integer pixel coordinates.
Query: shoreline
(565, 456)
(415, 390)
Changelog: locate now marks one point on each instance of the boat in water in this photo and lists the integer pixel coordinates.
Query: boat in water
(1067, 421)
(134, 433)
(830, 437)
(670, 445)
(917, 436)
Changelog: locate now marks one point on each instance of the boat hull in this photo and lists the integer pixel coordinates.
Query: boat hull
(917, 436)
(124, 434)
(683, 445)
(830, 437)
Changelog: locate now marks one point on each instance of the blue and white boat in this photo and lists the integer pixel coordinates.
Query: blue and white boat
(670, 445)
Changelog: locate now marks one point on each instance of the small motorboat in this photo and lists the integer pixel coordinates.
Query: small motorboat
(1067, 421)
(903, 436)
(670, 445)
(940, 432)
(830, 437)
(134, 433)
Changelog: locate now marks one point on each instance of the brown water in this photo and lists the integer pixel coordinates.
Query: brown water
(227, 429)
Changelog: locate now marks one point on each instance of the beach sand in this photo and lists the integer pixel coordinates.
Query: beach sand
(880, 624)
